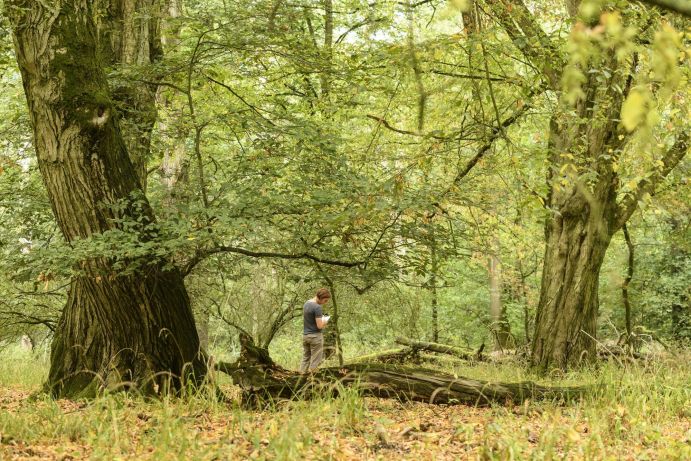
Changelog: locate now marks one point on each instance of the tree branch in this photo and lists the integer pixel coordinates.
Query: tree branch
(25, 319)
(682, 7)
(497, 132)
(526, 33)
(388, 126)
(237, 95)
(470, 76)
(648, 184)
(381, 235)
(201, 255)
(357, 26)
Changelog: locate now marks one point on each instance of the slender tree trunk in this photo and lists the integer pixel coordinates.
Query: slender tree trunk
(175, 163)
(202, 322)
(681, 321)
(328, 52)
(523, 296)
(433, 287)
(500, 324)
(116, 331)
(627, 281)
(333, 324)
(520, 290)
(332, 334)
(526, 320)
(681, 310)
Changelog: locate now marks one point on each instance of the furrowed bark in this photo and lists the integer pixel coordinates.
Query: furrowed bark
(116, 331)
(566, 321)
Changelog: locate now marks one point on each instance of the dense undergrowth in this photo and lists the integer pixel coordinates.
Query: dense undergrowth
(642, 411)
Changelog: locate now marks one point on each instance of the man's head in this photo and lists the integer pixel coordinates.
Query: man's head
(323, 295)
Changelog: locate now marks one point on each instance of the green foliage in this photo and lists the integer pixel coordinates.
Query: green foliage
(272, 141)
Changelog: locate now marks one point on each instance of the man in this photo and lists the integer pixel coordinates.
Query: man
(313, 322)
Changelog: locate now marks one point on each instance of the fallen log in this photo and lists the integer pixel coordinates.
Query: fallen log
(400, 355)
(440, 348)
(261, 380)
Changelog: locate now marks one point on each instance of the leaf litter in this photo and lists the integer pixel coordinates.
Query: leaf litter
(383, 430)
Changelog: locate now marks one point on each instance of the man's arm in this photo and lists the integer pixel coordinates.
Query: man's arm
(319, 318)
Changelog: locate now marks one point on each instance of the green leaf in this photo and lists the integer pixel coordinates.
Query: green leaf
(633, 110)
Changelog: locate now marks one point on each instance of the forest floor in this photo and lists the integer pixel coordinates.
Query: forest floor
(641, 412)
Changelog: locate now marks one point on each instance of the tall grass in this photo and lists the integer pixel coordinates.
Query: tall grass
(199, 426)
(638, 411)
(23, 368)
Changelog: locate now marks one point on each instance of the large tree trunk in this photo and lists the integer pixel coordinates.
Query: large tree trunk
(583, 217)
(566, 322)
(133, 332)
(587, 138)
(116, 331)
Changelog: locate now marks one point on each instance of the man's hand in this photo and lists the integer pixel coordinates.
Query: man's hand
(322, 321)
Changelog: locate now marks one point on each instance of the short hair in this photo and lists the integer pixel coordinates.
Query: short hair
(323, 293)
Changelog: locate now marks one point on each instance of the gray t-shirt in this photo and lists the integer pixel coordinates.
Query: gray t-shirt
(310, 312)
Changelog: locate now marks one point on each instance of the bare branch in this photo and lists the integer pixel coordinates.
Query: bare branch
(398, 130)
(201, 255)
(243, 100)
(471, 77)
(25, 319)
(357, 26)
